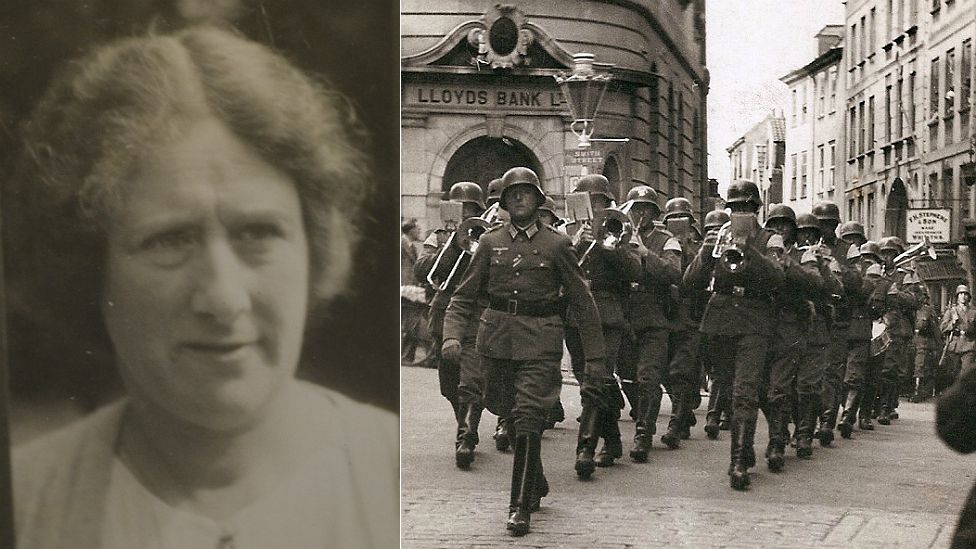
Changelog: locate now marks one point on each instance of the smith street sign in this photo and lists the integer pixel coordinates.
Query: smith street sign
(935, 223)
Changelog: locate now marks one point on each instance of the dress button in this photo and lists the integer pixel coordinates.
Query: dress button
(516, 273)
(515, 291)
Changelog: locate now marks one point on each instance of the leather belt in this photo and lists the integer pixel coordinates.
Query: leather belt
(740, 291)
(521, 307)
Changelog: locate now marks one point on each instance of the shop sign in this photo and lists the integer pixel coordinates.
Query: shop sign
(483, 98)
(934, 223)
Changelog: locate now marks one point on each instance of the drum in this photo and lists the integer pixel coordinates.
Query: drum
(880, 338)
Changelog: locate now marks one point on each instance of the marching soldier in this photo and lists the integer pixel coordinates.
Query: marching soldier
(684, 367)
(548, 215)
(897, 305)
(738, 317)
(851, 236)
(720, 391)
(610, 270)
(803, 282)
(927, 347)
(519, 268)
(466, 403)
(647, 311)
(958, 326)
(859, 339)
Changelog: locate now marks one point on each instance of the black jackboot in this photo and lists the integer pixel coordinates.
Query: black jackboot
(777, 444)
(612, 448)
(556, 415)
(808, 412)
(741, 446)
(467, 437)
(828, 420)
(586, 441)
(503, 435)
(864, 407)
(884, 395)
(648, 409)
(846, 425)
(525, 472)
(672, 438)
(714, 414)
(633, 394)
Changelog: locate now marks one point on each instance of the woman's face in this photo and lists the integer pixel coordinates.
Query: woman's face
(206, 286)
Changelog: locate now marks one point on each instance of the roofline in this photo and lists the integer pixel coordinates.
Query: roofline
(823, 60)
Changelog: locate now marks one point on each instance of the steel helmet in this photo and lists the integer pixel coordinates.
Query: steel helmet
(595, 184)
(550, 206)
(853, 253)
(715, 219)
(744, 191)
(677, 207)
(781, 211)
(826, 210)
(871, 248)
(807, 221)
(891, 243)
(643, 193)
(520, 176)
(849, 228)
(466, 191)
(494, 190)
(962, 289)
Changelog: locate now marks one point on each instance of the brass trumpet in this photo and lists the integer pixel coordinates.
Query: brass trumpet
(614, 227)
(462, 242)
(921, 249)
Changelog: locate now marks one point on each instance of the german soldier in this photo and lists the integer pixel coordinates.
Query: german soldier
(720, 391)
(519, 267)
(859, 337)
(465, 399)
(958, 326)
(739, 314)
(647, 311)
(610, 268)
(898, 305)
(548, 216)
(927, 347)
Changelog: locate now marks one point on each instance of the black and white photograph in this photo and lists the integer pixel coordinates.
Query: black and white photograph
(200, 313)
(687, 273)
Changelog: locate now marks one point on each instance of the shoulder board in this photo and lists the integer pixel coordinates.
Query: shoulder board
(497, 227)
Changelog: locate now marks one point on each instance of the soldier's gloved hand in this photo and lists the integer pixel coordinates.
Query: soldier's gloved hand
(585, 233)
(451, 350)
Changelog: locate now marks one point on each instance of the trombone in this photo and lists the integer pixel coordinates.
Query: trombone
(463, 242)
(921, 249)
(616, 223)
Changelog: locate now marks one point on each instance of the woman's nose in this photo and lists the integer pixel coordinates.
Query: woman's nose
(220, 289)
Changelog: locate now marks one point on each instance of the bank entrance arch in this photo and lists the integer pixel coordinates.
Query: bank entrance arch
(485, 158)
(896, 209)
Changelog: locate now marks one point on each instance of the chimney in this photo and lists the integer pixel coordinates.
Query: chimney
(829, 37)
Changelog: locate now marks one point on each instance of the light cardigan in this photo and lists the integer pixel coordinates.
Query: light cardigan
(61, 480)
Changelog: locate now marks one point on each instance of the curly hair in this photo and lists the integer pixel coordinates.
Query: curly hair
(105, 113)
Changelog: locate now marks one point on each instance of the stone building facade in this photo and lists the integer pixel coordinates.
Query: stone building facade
(479, 95)
(758, 156)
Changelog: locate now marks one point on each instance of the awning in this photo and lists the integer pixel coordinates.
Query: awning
(943, 268)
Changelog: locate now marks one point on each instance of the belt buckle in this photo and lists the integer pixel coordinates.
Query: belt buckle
(512, 307)
(738, 291)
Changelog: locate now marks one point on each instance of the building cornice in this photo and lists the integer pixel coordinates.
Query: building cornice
(827, 58)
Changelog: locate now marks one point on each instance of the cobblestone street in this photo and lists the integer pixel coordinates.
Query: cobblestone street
(898, 486)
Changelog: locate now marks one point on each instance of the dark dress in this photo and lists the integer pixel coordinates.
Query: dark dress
(955, 418)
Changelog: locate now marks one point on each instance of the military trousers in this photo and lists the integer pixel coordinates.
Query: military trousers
(684, 368)
(836, 359)
(895, 361)
(448, 373)
(744, 357)
(522, 390)
(857, 361)
(471, 379)
(957, 364)
(644, 360)
(596, 375)
(788, 346)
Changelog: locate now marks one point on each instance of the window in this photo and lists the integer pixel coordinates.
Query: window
(861, 138)
(821, 93)
(898, 114)
(850, 208)
(950, 65)
(831, 158)
(821, 183)
(793, 108)
(793, 168)
(966, 75)
(889, 29)
(833, 89)
(911, 103)
(870, 143)
(889, 122)
(947, 187)
(870, 213)
(873, 38)
(851, 135)
(803, 102)
(803, 174)
(853, 46)
(912, 13)
(933, 187)
(860, 209)
(934, 87)
(760, 152)
(864, 37)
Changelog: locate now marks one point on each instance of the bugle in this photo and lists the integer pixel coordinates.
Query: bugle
(923, 248)
(615, 225)
(730, 243)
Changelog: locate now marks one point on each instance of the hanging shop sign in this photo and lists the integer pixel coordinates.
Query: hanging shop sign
(934, 223)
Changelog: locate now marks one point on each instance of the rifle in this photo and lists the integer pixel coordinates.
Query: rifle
(952, 328)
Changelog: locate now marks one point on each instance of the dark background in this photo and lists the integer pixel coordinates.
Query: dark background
(352, 42)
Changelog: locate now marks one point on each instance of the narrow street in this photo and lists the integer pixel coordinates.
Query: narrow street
(898, 486)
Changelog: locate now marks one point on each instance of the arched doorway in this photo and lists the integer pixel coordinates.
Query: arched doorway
(485, 158)
(895, 209)
(611, 170)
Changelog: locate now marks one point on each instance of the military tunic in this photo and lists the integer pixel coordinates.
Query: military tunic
(520, 336)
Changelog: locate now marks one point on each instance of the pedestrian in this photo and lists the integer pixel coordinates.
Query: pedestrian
(520, 268)
(739, 314)
(167, 240)
(413, 307)
(958, 327)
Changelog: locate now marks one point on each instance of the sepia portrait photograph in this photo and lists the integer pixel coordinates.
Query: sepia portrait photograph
(687, 273)
(199, 308)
